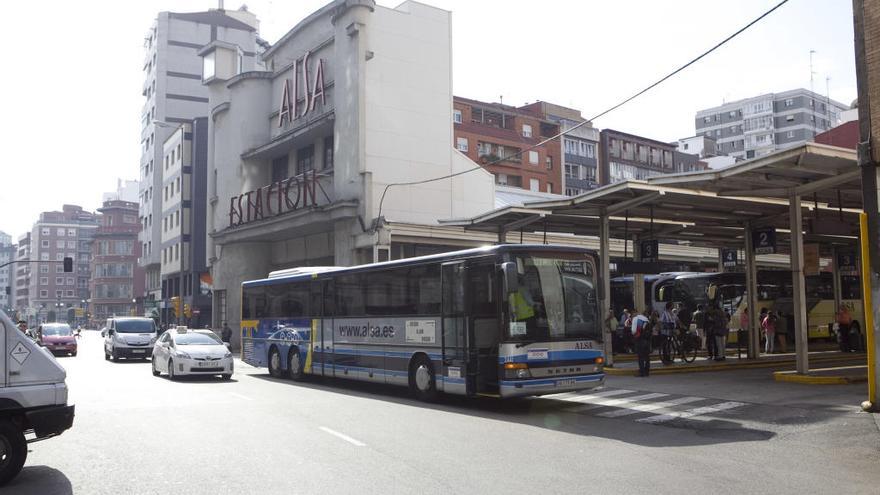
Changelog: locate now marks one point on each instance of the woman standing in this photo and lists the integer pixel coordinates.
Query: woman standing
(769, 326)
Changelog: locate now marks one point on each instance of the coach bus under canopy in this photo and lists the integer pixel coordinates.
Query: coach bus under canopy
(715, 208)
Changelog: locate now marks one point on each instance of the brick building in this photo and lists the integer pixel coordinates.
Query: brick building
(117, 281)
(486, 132)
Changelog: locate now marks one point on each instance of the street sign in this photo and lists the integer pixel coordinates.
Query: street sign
(79, 312)
(847, 264)
(649, 250)
(728, 258)
(764, 240)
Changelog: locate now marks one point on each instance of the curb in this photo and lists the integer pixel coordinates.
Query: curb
(671, 370)
(814, 379)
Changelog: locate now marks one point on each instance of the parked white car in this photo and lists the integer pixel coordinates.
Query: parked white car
(182, 351)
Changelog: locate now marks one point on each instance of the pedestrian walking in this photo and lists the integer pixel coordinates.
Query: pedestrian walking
(642, 331)
(226, 334)
(709, 322)
(844, 322)
(699, 320)
(769, 326)
(620, 337)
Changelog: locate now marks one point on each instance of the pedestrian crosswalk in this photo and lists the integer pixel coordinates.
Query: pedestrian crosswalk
(644, 407)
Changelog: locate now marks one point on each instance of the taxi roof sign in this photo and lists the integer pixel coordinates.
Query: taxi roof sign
(181, 329)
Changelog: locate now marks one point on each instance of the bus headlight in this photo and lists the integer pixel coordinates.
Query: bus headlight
(516, 370)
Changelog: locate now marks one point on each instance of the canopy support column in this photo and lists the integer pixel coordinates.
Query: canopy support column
(754, 342)
(605, 280)
(799, 308)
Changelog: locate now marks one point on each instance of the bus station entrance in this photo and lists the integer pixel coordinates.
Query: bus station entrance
(796, 209)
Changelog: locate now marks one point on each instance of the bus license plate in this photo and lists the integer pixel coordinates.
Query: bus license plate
(565, 383)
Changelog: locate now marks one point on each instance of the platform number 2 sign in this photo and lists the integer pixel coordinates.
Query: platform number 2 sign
(764, 240)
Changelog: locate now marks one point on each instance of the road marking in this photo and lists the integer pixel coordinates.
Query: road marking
(580, 396)
(690, 413)
(342, 436)
(245, 397)
(591, 404)
(663, 406)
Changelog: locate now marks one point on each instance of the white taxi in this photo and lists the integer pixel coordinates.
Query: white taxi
(183, 351)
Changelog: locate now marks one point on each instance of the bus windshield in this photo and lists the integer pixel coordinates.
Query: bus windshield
(555, 298)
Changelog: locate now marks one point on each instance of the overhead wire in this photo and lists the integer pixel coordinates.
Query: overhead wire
(587, 121)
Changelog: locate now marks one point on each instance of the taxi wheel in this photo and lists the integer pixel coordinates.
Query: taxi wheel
(171, 375)
(294, 365)
(113, 355)
(73, 354)
(422, 380)
(275, 363)
(13, 451)
(155, 369)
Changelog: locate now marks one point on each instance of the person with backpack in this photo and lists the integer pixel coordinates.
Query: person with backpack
(642, 330)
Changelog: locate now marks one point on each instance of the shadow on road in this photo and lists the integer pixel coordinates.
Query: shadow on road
(550, 414)
(39, 480)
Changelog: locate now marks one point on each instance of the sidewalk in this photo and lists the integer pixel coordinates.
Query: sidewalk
(628, 366)
(826, 376)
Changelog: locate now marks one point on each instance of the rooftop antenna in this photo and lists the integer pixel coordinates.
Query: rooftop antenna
(501, 99)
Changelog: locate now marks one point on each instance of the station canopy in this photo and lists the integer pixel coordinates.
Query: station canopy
(709, 208)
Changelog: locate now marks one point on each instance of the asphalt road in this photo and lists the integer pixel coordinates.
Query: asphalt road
(727, 432)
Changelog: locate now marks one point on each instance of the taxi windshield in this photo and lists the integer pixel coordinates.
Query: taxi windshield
(555, 299)
(193, 338)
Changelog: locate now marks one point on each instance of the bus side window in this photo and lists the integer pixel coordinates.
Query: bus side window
(425, 288)
(349, 295)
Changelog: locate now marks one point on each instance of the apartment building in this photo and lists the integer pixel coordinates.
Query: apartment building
(7, 273)
(705, 147)
(174, 94)
(498, 136)
(23, 278)
(756, 126)
(53, 294)
(117, 281)
(625, 156)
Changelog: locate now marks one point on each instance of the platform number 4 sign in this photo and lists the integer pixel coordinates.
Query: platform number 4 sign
(649, 250)
(764, 240)
(728, 258)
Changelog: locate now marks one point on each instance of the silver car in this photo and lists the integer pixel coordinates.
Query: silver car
(182, 351)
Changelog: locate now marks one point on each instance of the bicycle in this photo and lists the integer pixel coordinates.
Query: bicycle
(680, 344)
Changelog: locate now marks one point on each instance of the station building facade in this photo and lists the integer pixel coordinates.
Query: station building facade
(352, 99)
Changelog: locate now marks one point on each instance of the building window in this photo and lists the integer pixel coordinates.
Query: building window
(69, 293)
(44, 280)
(328, 153)
(279, 169)
(45, 231)
(44, 293)
(59, 280)
(707, 119)
(533, 157)
(550, 187)
(305, 159)
(44, 243)
(456, 116)
(71, 244)
(461, 144)
(71, 232)
(45, 268)
(790, 134)
(527, 130)
(548, 161)
(44, 256)
(789, 118)
(731, 114)
(789, 102)
(534, 185)
(60, 232)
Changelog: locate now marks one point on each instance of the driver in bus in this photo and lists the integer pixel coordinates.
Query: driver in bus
(523, 305)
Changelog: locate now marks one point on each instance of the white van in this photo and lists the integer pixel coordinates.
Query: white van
(129, 337)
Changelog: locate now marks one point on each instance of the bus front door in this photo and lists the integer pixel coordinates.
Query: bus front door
(458, 373)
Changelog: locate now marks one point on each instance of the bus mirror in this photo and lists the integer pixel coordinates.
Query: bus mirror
(511, 279)
(710, 291)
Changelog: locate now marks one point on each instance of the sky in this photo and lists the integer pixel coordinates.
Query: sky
(70, 93)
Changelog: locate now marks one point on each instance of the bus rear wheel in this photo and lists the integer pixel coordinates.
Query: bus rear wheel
(274, 363)
(294, 365)
(422, 380)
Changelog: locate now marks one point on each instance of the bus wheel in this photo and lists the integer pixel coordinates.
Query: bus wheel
(422, 380)
(294, 365)
(274, 362)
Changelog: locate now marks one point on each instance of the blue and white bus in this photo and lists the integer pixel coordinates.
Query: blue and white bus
(501, 321)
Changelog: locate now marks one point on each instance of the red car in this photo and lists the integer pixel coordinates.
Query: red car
(58, 338)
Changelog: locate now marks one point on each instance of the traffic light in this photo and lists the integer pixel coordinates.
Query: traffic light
(175, 304)
(68, 264)
(186, 310)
